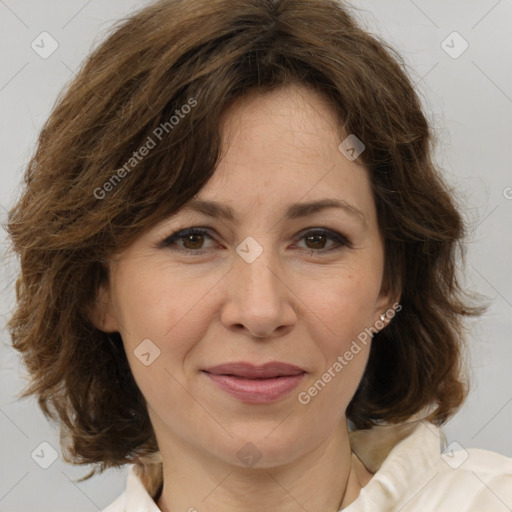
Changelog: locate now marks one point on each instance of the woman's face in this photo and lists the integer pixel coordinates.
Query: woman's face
(277, 282)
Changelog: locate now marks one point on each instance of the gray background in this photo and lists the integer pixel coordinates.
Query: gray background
(469, 101)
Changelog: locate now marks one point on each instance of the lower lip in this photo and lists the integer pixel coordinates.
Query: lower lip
(257, 391)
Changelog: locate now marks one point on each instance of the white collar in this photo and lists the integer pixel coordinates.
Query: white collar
(400, 456)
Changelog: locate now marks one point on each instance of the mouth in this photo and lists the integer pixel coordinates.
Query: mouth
(256, 384)
(250, 371)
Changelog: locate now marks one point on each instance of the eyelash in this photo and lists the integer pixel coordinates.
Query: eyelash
(169, 241)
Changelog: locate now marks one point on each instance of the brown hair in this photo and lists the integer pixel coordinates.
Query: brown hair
(78, 208)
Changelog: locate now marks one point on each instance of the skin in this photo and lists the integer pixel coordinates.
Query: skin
(291, 304)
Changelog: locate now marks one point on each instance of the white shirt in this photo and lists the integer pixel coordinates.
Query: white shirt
(413, 472)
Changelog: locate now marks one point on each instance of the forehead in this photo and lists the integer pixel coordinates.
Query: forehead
(281, 149)
(294, 117)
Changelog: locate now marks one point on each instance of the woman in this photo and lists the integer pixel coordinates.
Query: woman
(238, 269)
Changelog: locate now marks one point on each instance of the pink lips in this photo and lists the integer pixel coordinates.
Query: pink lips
(256, 384)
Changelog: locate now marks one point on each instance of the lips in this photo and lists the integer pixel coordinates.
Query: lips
(249, 371)
(253, 384)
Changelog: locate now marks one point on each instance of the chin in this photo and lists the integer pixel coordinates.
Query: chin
(257, 447)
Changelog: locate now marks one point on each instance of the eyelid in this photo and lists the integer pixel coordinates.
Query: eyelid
(167, 240)
(341, 241)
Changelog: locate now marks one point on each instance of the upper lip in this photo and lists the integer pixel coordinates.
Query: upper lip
(251, 371)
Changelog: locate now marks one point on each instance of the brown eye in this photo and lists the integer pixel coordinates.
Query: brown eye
(316, 241)
(193, 241)
(187, 240)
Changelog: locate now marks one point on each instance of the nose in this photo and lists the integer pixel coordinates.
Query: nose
(259, 301)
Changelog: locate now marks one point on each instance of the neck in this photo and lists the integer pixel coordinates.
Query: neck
(326, 479)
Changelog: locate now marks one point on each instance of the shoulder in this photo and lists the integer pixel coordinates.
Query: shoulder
(415, 470)
(475, 459)
(466, 480)
(473, 479)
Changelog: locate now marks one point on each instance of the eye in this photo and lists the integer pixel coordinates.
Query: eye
(191, 241)
(317, 238)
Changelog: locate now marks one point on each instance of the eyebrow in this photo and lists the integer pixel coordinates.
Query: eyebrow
(294, 211)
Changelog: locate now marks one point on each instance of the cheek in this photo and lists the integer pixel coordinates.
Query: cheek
(154, 301)
(344, 302)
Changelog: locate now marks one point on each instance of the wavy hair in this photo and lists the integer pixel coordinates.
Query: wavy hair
(78, 207)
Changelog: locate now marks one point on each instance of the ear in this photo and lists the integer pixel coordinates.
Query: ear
(388, 304)
(101, 312)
